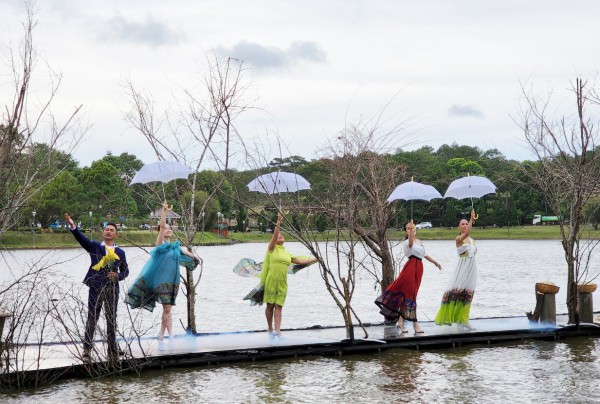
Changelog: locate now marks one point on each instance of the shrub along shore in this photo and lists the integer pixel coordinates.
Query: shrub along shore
(63, 239)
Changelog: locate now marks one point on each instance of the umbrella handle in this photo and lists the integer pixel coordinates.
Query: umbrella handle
(474, 215)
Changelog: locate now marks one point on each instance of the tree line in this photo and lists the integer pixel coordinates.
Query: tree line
(103, 188)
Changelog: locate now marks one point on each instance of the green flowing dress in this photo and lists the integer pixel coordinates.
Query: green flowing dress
(274, 275)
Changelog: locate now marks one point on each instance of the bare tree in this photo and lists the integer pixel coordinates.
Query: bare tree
(201, 133)
(49, 310)
(567, 172)
(31, 139)
(364, 174)
(355, 209)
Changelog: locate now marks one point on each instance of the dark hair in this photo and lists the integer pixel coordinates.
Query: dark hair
(404, 228)
(111, 224)
(460, 220)
(166, 224)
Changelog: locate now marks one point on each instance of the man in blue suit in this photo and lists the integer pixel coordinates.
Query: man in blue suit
(108, 266)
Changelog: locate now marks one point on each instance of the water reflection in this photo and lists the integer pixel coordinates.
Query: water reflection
(270, 381)
(401, 369)
(535, 371)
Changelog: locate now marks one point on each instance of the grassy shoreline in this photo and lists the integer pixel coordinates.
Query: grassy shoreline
(46, 240)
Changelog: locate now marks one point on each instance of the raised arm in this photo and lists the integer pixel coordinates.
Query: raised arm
(163, 222)
(411, 232)
(461, 237)
(86, 243)
(276, 231)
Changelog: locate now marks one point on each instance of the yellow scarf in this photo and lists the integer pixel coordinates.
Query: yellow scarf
(108, 259)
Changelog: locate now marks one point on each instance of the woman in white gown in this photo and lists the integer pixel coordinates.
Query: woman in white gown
(456, 303)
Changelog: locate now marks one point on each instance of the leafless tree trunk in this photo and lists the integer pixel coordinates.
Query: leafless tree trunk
(30, 137)
(362, 172)
(49, 310)
(360, 181)
(201, 134)
(568, 174)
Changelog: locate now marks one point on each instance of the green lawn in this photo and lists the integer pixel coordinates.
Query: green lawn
(48, 239)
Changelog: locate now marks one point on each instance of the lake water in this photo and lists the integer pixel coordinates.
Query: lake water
(534, 371)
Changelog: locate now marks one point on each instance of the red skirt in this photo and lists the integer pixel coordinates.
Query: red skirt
(400, 298)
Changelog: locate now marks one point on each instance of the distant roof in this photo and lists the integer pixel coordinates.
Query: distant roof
(170, 214)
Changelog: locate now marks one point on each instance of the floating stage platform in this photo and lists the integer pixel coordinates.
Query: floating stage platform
(63, 360)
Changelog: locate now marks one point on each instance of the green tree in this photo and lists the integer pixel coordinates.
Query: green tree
(127, 164)
(592, 212)
(57, 198)
(106, 191)
(461, 167)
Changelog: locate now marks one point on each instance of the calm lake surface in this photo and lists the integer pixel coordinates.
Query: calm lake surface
(508, 270)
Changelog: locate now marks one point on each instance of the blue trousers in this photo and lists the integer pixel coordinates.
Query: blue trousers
(107, 296)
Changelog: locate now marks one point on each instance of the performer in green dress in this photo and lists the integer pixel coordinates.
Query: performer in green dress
(274, 277)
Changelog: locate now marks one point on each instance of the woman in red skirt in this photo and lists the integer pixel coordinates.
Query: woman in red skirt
(399, 301)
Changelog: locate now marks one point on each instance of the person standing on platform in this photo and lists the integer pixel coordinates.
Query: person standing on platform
(399, 301)
(456, 303)
(274, 277)
(108, 266)
(159, 279)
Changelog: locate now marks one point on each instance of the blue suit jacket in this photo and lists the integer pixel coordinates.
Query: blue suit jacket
(97, 279)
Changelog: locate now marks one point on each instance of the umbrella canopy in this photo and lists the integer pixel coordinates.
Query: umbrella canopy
(470, 187)
(278, 182)
(410, 191)
(161, 171)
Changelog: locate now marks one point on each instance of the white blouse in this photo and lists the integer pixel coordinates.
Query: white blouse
(417, 249)
(467, 249)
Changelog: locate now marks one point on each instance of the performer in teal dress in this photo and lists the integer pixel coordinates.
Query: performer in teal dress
(274, 277)
(159, 279)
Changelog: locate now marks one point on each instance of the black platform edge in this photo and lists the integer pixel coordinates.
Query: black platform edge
(263, 354)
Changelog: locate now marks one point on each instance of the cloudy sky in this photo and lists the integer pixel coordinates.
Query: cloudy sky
(452, 68)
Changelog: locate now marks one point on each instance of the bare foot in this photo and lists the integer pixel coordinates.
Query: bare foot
(401, 325)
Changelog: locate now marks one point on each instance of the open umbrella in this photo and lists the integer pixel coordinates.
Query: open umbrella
(470, 186)
(161, 171)
(278, 182)
(410, 191)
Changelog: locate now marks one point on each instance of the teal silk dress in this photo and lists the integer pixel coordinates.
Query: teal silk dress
(159, 279)
(274, 275)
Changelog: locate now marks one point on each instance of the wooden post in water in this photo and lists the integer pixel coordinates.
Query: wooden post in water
(585, 302)
(3, 317)
(545, 304)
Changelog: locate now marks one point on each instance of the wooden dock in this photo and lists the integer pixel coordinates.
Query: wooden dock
(62, 360)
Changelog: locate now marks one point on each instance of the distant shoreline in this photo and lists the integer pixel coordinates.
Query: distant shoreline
(143, 238)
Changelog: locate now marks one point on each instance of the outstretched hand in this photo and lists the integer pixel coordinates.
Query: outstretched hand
(474, 216)
(69, 220)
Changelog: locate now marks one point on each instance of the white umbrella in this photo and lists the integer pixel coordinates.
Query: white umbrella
(410, 191)
(278, 182)
(470, 186)
(161, 171)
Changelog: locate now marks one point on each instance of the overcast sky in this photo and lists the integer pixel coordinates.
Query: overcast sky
(453, 68)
